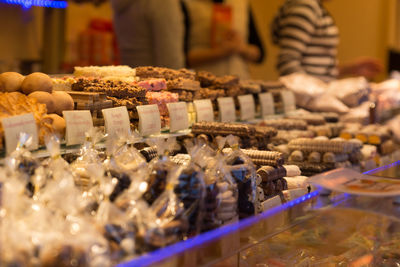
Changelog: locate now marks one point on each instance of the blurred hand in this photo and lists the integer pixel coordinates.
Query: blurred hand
(233, 43)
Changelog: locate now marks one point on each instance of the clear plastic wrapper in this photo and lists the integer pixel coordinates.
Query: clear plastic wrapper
(225, 210)
(87, 168)
(117, 229)
(191, 189)
(48, 230)
(22, 164)
(171, 217)
(244, 172)
(159, 169)
(126, 167)
(203, 156)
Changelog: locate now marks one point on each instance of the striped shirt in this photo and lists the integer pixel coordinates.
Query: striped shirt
(308, 39)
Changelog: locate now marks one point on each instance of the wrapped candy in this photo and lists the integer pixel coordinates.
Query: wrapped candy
(191, 190)
(202, 155)
(226, 210)
(23, 164)
(125, 165)
(170, 213)
(87, 168)
(159, 169)
(116, 227)
(243, 171)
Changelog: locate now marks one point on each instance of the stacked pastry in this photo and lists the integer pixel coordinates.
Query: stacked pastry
(120, 93)
(250, 135)
(271, 86)
(294, 178)
(250, 86)
(228, 83)
(116, 73)
(310, 118)
(180, 81)
(271, 182)
(284, 137)
(157, 94)
(261, 157)
(286, 124)
(377, 139)
(321, 154)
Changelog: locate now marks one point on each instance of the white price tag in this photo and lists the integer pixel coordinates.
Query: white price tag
(227, 111)
(15, 125)
(116, 121)
(149, 119)
(204, 110)
(78, 123)
(178, 115)
(267, 104)
(247, 107)
(289, 101)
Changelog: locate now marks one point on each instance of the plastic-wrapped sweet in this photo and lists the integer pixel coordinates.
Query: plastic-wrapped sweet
(116, 227)
(202, 155)
(244, 172)
(125, 166)
(87, 168)
(172, 222)
(159, 169)
(55, 164)
(22, 163)
(226, 210)
(191, 189)
(75, 243)
(45, 234)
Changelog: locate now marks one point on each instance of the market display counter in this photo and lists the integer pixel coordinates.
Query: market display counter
(261, 239)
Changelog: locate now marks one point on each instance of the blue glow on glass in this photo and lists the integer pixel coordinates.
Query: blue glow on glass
(40, 3)
(382, 168)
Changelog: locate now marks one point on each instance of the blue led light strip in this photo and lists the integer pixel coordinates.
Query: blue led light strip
(382, 168)
(40, 3)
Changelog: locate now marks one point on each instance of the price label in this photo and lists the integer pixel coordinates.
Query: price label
(289, 101)
(117, 121)
(178, 115)
(226, 109)
(247, 107)
(78, 123)
(149, 119)
(204, 110)
(14, 126)
(267, 104)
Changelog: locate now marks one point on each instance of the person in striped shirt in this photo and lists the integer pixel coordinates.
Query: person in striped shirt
(308, 39)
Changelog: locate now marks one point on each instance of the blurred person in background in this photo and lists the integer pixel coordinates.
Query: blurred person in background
(150, 32)
(221, 36)
(308, 39)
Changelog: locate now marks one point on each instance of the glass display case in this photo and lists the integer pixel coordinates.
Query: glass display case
(313, 230)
